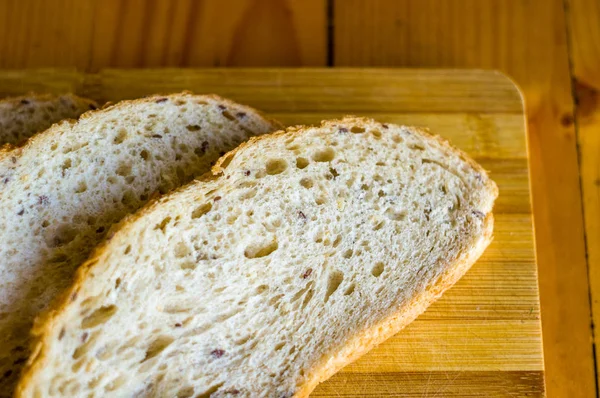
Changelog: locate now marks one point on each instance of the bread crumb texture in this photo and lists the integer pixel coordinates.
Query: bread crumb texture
(61, 193)
(22, 117)
(250, 284)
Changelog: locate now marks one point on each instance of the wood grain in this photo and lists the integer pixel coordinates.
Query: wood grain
(483, 337)
(93, 34)
(584, 27)
(527, 40)
(439, 384)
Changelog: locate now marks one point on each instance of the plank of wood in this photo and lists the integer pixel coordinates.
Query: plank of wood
(583, 17)
(439, 384)
(93, 34)
(527, 40)
(483, 336)
(319, 90)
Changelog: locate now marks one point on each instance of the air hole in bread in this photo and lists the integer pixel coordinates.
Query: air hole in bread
(377, 269)
(301, 163)
(163, 224)
(81, 187)
(181, 250)
(337, 241)
(301, 292)
(324, 155)
(279, 346)
(210, 391)
(157, 346)
(348, 253)
(188, 265)
(98, 317)
(306, 182)
(66, 165)
(321, 200)
(334, 280)
(129, 199)
(395, 215)
(357, 129)
(117, 283)
(261, 289)
(176, 308)
(201, 210)
(60, 236)
(416, 147)
(116, 383)
(144, 154)
(124, 169)
(185, 392)
(127, 250)
(276, 166)
(262, 249)
(397, 138)
(349, 290)
(376, 133)
(120, 137)
(308, 297)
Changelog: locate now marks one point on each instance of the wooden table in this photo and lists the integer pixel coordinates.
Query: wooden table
(483, 337)
(550, 47)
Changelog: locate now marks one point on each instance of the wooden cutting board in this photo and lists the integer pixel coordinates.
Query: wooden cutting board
(483, 337)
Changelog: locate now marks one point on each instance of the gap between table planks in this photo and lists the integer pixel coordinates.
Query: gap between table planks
(484, 336)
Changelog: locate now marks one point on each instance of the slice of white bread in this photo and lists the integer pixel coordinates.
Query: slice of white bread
(62, 191)
(301, 252)
(22, 117)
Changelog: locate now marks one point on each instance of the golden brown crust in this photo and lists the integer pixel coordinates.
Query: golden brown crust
(377, 334)
(353, 350)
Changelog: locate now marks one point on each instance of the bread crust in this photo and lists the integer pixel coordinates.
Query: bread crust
(353, 349)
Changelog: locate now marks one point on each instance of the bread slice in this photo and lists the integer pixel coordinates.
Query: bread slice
(61, 192)
(301, 252)
(22, 117)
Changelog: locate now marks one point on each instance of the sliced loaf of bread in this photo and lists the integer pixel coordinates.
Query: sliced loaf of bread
(62, 191)
(22, 117)
(300, 252)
